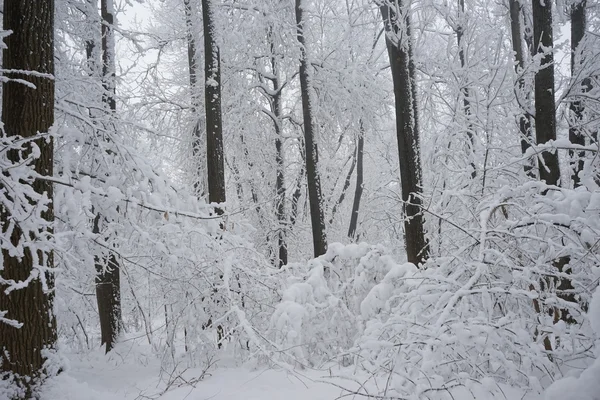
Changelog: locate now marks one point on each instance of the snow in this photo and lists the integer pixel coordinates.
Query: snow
(114, 378)
(127, 375)
(587, 385)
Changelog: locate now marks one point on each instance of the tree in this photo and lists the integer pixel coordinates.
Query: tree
(198, 148)
(545, 108)
(277, 117)
(577, 107)
(212, 93)
(360, 152)
(310, 143)
(462, 48)
(108, 280)
(523, 97)
(27, 322)
(396, 19)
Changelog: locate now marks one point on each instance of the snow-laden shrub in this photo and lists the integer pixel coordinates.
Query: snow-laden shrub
(586, 386)
(318, 318)
(507, 309)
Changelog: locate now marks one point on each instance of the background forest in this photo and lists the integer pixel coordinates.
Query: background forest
(399, 197)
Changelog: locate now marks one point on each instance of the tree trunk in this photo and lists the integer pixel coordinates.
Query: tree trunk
(460, 31)
(198, 146)
(576, 135)
(359, 183)
(545, 109)
(403, 75)
(524, 101)
(26, 112)
(108, 282)
(276, 109)
(312, 154)
(545, 125)
(345, 187)
(212, 95)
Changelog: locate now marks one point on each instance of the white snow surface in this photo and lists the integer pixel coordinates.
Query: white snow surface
(128, 374)
(114, 378)
(587, 385)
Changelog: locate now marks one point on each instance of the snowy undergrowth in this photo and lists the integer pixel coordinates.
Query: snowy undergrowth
(490, 317)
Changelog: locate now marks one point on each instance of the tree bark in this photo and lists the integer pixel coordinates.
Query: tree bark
(359, 183)
(399, 46)
(545, 108)
(460, 31)
(520, 54)
(198, 145)
(26, 112)
(277, 110)
(311, 150)
(108, 281)
(576, 134)
(212, 94)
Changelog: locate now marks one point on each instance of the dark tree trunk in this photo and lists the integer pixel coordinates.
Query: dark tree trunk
(298, 189)
(108, 282)
(403, 75)
(523, 97)
(276, 109)
(312, 154)
(212, 95)
(545, 124)
(460, 31)
(108, 293)
(25, 112)
(198, 146)
(359, 183)
(545, 109)
(345, 187)
(576, 135)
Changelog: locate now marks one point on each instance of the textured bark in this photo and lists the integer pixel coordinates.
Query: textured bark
(198, 145)
(576, 134)
(108, 293)
(108, 282)
(212, 102)
(520, 54)
(277, 110)
(399, 46)
(545, 123)
(25, 112)
(545, 108)
(460, 31)
(312, 154)
(359, 183)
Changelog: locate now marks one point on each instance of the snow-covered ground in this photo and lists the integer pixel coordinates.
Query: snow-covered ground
(126, 374)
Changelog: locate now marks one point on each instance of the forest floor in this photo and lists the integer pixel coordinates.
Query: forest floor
(128, 374)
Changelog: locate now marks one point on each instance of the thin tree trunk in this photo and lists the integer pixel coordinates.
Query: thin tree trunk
(576, 136)
(297, 191)
(359, 183)
(212, 95)
(276, 109)
(27, 111)
(403, 75)
(344, 189)
(525, 117)
(108, 281)
(460, 30)
(312, 154)
(545, 108)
